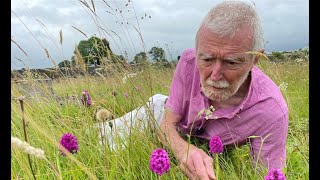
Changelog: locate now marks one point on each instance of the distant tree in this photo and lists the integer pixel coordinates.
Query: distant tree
(277, 55)
(140, 58)
(64, 63)
(118, 59)
(73, 61)
(158, 54)
(94, 49)
(106, 44)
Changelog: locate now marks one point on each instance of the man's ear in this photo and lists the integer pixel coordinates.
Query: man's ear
(256, 58)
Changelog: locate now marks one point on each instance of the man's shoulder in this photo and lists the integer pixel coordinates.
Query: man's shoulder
(186, 64)
(268, 94)
(264, 84)
(188, 55)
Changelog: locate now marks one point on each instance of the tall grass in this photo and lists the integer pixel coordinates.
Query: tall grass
(48, 120)
(51, 116)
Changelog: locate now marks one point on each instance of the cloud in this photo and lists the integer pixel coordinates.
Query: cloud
(172, 26)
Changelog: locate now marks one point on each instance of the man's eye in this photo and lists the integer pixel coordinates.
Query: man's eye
(232, 62)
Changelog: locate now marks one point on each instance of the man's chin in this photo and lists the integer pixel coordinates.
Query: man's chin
(218, 97)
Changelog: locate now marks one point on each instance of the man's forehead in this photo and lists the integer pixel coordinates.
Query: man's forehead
(243, 32)
(213, 54)
(241, 40)
(204, 55)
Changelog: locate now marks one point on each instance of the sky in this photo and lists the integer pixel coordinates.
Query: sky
(133, 26)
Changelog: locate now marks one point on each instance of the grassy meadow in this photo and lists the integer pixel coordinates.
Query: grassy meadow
(53, 115)
(48, 119)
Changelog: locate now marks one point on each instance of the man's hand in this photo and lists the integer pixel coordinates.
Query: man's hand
(198, 164)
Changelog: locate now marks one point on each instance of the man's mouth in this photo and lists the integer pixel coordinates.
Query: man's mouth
(218, 88)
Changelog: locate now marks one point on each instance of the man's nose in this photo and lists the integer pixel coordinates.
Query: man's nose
(217, 71)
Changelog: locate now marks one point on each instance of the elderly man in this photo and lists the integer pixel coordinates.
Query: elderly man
(221, 74)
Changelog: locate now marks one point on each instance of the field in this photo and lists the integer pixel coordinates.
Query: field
(44, 118)
(48, 119)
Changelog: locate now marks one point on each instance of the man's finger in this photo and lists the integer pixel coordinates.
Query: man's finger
(187, 172)
(201, 169)
(209, 167)
(190, 175)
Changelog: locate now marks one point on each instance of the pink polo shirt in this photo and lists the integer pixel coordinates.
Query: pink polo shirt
(262, 112)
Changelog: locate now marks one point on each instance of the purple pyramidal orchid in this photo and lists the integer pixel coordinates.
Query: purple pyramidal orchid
(216, 145)
(70, 142)
(275, 174)
(159, 161)
(85, 99)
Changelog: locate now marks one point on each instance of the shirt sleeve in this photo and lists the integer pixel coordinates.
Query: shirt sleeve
(270, 148)
(176, 94)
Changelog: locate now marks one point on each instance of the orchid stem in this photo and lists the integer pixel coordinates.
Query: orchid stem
(217, 166)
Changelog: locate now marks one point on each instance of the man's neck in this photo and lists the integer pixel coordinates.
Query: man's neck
(236, 99)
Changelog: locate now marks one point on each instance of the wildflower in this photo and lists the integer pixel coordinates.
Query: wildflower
(85, 99)
(216, 145)
(212, 108)
(283, 86)
(159, 161)
(125, 95)
(103, 114)
(69, 142)
(299, 60)
(127, 76)
(275, 174)
(27, 148)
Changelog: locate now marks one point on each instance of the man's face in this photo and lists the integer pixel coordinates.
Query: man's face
(223, 64)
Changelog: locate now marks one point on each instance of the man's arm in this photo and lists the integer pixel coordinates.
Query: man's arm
(198, 163)
(168, 128)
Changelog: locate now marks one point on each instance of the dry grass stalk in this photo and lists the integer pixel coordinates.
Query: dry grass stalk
(80, 31)
(79, 60)
(25, 131)
(19, 47)
(256, 53)
(27, 148)
(61, 38)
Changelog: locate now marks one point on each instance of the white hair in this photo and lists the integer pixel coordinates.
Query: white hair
(229, 17)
